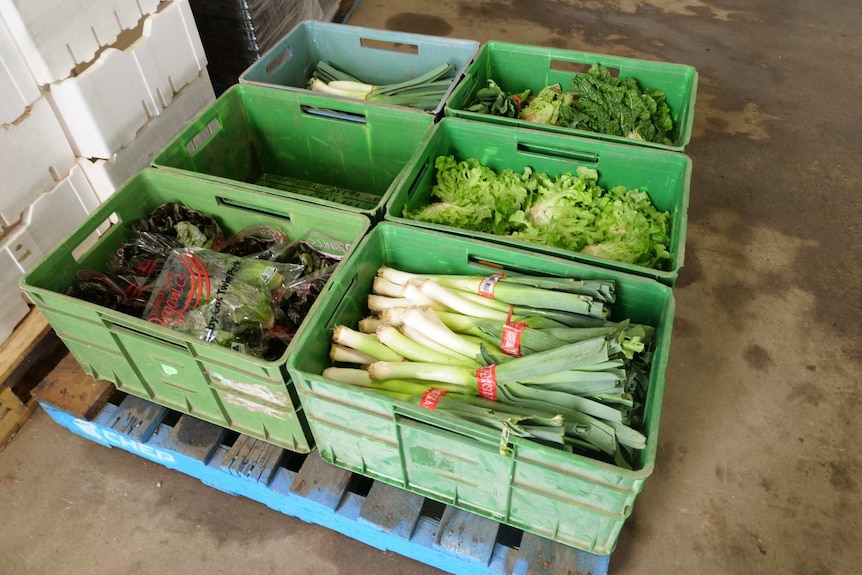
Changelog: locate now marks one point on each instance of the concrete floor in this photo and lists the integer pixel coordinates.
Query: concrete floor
(757, 472)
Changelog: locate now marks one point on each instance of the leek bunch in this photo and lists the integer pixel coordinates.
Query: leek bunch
(531, 357)
(424, 92)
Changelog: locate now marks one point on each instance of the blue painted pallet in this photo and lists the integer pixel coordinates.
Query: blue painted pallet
(306, 487)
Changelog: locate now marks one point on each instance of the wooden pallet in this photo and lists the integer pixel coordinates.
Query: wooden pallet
(17, 356)
(306, 487)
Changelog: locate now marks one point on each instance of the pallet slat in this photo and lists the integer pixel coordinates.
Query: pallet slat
(23, 340)
(20, 369)
(540, 556)
(69, 386)
(321, 482)
(138, 418)
(252, 459)
(467, 534)
(391, 509)
(13, 414)
(195, 438)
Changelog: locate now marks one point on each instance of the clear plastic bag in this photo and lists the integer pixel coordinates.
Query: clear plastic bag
(220, 298)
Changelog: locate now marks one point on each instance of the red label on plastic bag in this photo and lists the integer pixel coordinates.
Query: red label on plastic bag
(146, 268)
(431, 397)
(486, 382)
(486, 286)
(181, 290)
(510, 343)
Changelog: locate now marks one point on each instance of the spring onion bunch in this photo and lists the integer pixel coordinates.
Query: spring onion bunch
(424, 92)
(531, 357)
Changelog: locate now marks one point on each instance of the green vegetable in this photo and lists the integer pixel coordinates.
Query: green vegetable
(619, 107)
(424, 92)
(493, 100)
(219, 298)
(552, 106)
(571, 211)
(598, 102)
(579, 388)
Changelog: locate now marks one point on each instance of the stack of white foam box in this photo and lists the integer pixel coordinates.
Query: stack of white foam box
(89, 93)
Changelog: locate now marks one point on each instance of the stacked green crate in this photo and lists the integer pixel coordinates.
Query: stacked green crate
(665, 176)
(373, 56)
(517, 67)
(567, 497)
(337, 153)
(238, 391)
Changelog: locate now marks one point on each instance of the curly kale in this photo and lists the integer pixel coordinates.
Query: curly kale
(618, 106)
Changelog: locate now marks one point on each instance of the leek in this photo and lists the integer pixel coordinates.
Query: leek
(423, 322)
(363, 342)
(579, 383)
(413, 351)
(424, 92)
(345, 354)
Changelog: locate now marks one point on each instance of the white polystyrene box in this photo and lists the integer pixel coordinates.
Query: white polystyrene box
(104, 107)
(13, 308)
(18, 89)
(58, 213)
(169, 53)
(34, 156)
(18, 250)
(106, 176)
(106, 103)
(54, 36)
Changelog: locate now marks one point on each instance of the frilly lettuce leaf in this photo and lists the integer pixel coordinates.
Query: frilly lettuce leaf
(473, 196)
(571, 212)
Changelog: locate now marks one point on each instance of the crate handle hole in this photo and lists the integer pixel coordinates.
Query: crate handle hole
(334, 114)
(420, 177)
(129, 330)
(237, 205)
(283, 57)
(203, 136)
(579, 67)
(390, 46)
(498, 267)
(80, 251)
(338, 312)
(556, 152)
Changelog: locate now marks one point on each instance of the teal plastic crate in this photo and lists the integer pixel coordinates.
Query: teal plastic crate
(516, 67)
(337, 153)
(570, 498)
(665, 176)
(374, 56)
(244, 393)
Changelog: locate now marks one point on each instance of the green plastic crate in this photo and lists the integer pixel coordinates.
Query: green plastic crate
(374, 56)
(570, 498)
(665, 176)
(213, 383)
(516, 67)
(306, 146)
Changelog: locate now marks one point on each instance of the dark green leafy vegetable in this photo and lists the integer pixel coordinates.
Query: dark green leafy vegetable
(598, 102)
(618, 106)
(493, 100)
